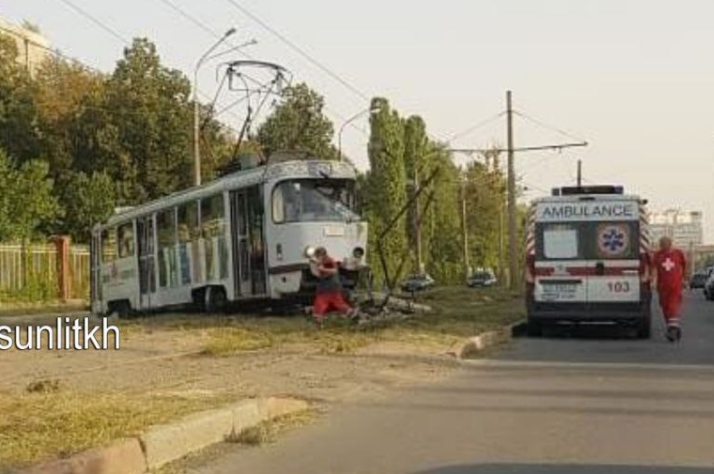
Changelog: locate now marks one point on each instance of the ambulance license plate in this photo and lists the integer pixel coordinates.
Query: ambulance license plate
(560, 292)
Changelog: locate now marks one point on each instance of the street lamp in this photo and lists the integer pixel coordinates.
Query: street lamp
(372, 110)
(196, 109)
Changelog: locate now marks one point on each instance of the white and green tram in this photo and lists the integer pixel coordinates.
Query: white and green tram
(245, 236)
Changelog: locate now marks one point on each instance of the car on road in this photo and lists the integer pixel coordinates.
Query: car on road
(709, 288)
(482, 279)
(699, 279)
(418, 282)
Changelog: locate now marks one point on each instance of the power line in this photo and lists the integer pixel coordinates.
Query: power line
(95, 20)
(299, 50)
(475, 127)
(549, 127)
(207, 29)
(54, 52)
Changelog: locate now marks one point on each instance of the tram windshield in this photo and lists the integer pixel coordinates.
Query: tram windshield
(310, 200)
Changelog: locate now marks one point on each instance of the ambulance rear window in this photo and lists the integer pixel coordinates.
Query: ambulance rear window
(561, 241)
(588, 240)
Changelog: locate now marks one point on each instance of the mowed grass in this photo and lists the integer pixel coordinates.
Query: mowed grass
(35, 427)
(457, 313)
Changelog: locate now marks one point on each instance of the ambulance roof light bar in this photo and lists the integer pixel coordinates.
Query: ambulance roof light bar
(585, 190)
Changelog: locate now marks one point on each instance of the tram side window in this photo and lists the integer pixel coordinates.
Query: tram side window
(189, 233)
(125, 233)
(166, 226)
(213, 226)
(109, 245)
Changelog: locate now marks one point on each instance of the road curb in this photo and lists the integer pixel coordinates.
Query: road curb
(476, 344)
(161, 444)
(121, 457)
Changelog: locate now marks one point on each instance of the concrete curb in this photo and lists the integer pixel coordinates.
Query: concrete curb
(161, 444)
(476, 344)
(121, 457)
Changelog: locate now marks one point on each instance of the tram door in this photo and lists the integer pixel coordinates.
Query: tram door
(247, 228)
(147, 267)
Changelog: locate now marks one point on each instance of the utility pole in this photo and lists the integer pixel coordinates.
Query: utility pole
(512, 207)
(417, 223)
(501, 249)
(512, 211)
(465, 230)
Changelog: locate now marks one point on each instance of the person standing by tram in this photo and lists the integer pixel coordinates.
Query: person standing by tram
(329, 295)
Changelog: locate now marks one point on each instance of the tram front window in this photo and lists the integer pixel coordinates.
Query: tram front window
(306, 200)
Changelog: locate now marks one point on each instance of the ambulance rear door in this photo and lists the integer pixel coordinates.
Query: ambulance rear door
(559, 255)
(613, 269)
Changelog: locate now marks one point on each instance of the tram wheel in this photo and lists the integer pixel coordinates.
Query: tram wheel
(214, 299)
(122, 309)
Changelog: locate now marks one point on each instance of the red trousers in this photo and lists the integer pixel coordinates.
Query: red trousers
(330, 301)
(670, 300)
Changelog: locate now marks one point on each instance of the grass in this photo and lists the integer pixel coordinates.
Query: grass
(16, 308)
(47, 424)
(457, 313)
(268, 431)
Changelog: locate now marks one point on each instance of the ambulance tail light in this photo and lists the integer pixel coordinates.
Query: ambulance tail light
(530, 269)
(644, 268)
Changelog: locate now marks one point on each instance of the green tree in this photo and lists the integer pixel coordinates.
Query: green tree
(416, 149)
(28, 202)
(298, 124)
(386, 186)
(485, 196)
(19, 133)
(64, 92)
(89, 199)
(150, 117)
(441, 229)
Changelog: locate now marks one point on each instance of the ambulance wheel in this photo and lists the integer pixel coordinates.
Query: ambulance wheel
(214, 299)
(534, 328)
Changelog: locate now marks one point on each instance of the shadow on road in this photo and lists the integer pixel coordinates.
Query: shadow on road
(560, 469)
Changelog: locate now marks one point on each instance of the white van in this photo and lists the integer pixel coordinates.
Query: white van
(587, 259)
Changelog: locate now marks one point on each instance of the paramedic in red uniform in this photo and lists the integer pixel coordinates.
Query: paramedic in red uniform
(328, 296)
(670, 270)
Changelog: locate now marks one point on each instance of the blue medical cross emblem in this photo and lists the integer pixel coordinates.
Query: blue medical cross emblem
(613, 240)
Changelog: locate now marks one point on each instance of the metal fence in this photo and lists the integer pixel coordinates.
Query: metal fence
(29, 273)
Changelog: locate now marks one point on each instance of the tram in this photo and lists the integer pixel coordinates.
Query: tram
(246, 236)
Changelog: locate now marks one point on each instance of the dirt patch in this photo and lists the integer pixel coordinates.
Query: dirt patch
(176, 363)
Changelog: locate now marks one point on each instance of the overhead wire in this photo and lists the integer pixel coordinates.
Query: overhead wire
(475, 127)
(549, 127)
(292, 45)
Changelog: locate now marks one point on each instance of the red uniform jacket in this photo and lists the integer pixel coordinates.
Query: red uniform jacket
(671, 266)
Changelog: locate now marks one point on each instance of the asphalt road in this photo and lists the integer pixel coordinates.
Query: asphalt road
(565, 404)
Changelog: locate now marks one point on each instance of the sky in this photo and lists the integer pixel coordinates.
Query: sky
(631, 77)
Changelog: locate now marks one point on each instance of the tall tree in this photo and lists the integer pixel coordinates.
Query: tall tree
(19, 132)
(441, 229)
(485, 196)
(299, 124)
(149, 110)
(416, 147)
(64, 91)
(387, 185)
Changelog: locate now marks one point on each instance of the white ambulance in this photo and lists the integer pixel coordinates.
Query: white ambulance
(587, 259)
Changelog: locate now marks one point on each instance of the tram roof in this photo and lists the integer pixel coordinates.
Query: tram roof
(297, 169)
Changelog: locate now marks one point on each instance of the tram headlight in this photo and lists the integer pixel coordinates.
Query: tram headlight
(309, 252)
(358, 253)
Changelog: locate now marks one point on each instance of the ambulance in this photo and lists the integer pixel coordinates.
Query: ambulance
(587, 254)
